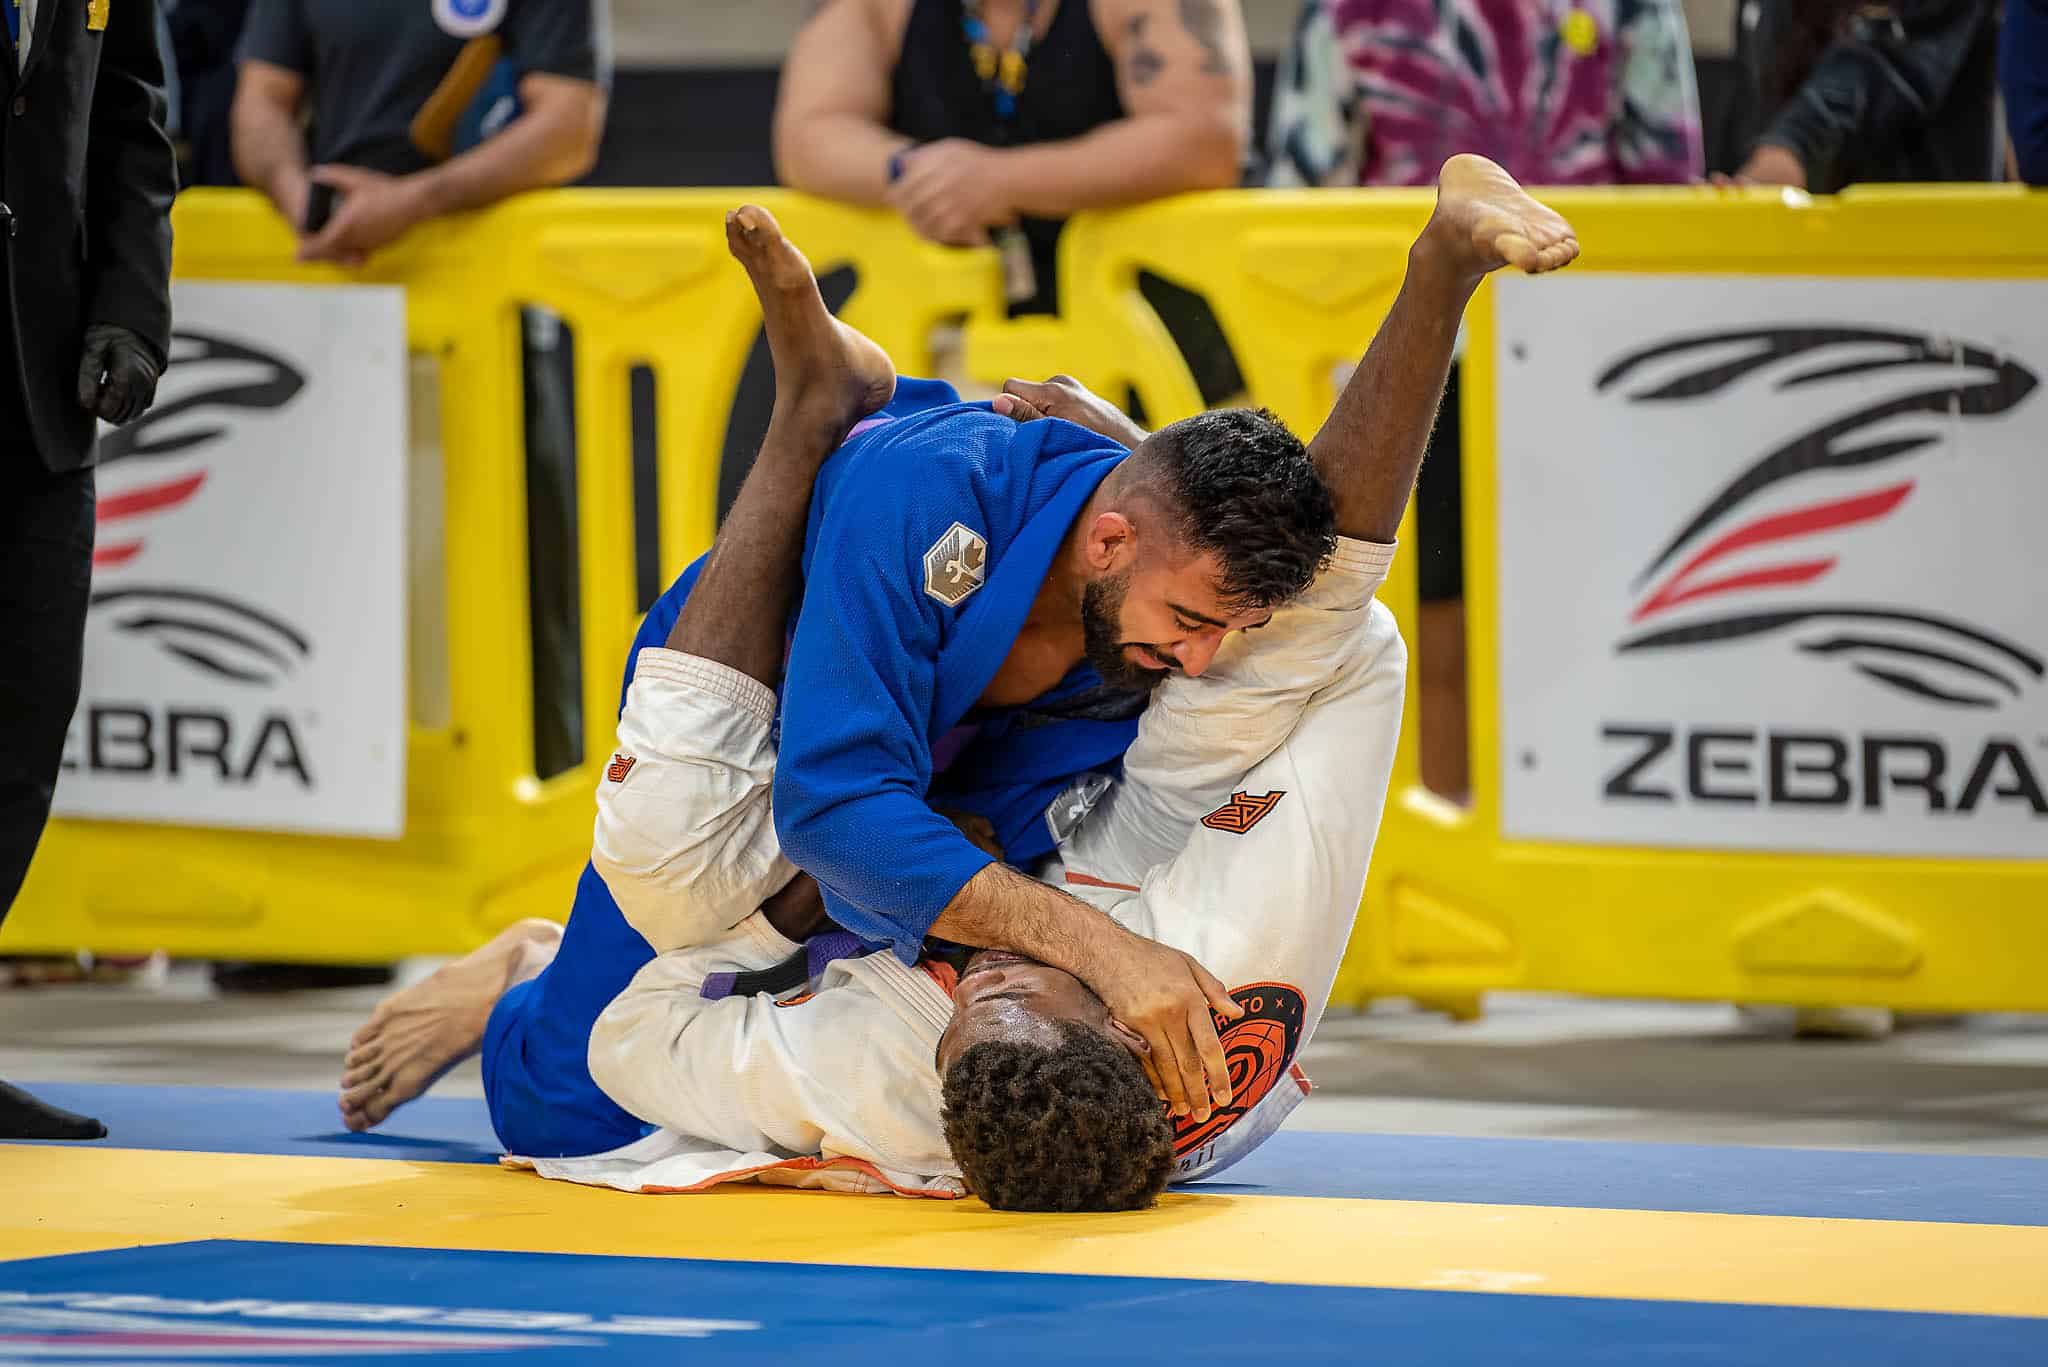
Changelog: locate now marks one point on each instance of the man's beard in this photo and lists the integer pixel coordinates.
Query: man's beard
(1102, 612)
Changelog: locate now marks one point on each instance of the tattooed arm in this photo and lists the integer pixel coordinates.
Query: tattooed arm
(1184, 72)
(832, 134)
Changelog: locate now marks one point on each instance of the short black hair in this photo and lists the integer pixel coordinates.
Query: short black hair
(1071, 1128)
(1247, 492)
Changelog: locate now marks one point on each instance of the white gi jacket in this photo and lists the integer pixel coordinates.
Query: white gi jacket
(1240, 833)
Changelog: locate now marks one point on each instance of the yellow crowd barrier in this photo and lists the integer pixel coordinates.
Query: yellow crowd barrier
(1299, 281)
(1453, 908)
(640, 279)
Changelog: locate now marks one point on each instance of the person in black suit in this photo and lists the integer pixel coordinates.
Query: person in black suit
(85, 325)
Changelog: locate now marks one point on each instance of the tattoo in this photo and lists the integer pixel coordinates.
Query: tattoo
(1203, 19)
(1144, 63)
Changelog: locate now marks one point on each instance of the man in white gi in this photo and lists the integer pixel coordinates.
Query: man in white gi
(1239, 834)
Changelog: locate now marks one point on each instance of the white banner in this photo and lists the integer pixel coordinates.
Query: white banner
(245, 653)
(1772, 565)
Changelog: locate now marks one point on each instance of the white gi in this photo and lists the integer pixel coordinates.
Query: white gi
(1239, 833)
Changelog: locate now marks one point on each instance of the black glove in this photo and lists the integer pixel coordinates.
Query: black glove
(117, 374)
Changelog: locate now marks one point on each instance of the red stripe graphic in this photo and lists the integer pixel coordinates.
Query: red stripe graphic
(151, 498)
(1821, 517)
(106, 557)
(1089, 881)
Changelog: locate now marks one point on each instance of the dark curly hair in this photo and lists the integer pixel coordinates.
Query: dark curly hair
(1070, 1128)
(1246, 491)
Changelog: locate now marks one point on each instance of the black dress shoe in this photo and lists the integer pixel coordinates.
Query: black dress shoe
(262, 979)
(24, 1117)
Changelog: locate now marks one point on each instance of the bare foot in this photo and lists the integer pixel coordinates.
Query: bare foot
(416, 1035)
(824, 369)
(1486, 221)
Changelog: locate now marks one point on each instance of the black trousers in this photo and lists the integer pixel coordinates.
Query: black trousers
(46, 530)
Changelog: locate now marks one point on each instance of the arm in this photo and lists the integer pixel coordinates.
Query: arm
(267, 122)
(553, 140)
(832, 135)
(1883, 77)
(131, 176)
(2023, 72)
(1655, 128)
(269, 143)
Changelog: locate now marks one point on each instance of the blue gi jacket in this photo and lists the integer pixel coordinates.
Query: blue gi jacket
(881, 670)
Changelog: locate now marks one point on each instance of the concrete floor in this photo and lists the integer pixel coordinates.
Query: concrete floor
(1536, 1066)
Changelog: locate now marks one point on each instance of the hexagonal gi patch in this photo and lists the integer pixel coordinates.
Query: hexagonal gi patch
(956, 565)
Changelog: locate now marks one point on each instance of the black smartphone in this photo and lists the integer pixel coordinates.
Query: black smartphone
(320, 201)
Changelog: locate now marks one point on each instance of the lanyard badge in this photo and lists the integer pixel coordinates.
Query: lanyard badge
(1002, 75)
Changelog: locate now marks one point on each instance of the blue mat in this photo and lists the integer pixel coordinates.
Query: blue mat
(251, 1300)
(1529, 1172)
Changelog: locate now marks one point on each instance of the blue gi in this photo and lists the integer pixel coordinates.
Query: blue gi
(883, 679)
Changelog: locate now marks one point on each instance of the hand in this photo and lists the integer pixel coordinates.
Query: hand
(1166, 999)
(373, 210)
(1063, 396)
(1770, 164)
(798, 911)
(117, 374)
(951, 192)
(979, 830)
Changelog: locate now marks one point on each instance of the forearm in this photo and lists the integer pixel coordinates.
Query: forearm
(1126, 162)
(837, 156)
(270, 152)
(537, 150)
(1371, 447)
(1000, 908)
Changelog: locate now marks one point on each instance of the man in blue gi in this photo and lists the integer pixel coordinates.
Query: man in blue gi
(959, 568)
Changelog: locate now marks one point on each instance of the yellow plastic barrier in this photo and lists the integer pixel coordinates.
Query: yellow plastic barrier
(642, 278)
(1453, 909)
(1299, 282)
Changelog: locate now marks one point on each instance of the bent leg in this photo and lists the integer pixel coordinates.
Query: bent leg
(528, 998)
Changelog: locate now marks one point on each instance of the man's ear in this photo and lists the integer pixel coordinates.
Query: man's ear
(1110, 540)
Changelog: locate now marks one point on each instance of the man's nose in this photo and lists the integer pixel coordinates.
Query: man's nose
(1194, 654)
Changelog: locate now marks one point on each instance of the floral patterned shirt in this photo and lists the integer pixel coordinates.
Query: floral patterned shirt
(1560, 92)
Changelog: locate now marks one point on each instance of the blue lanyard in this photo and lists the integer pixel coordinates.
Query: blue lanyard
(1002, 73)
(13, 8)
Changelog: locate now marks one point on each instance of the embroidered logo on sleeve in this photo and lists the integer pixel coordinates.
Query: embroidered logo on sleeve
(956, 565)
(616, 771)
(1242, 812)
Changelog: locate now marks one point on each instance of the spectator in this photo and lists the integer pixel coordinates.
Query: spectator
(1853, 91)
(1560, 92)
(85, 328)
(983, 120)
(2023, 72)
(418, 110)
(203, 38)
(388, 83)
